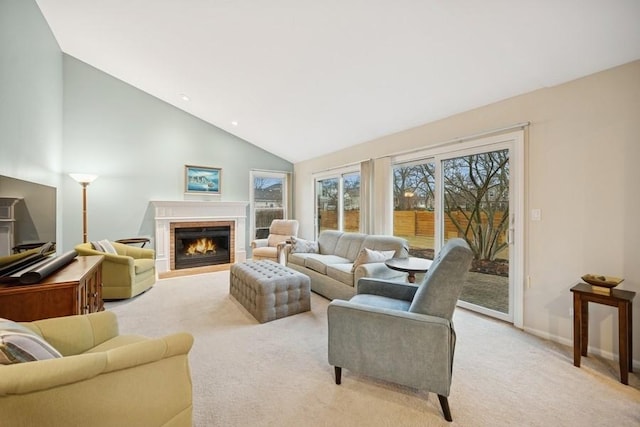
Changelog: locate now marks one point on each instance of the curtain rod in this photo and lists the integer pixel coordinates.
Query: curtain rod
(465, 138)
(346, 165)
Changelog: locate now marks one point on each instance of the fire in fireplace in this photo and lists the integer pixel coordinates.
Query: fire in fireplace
(201, 246)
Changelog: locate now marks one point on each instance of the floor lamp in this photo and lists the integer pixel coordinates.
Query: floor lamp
(84, 180)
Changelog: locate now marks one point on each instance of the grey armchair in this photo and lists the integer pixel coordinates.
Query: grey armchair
(402, 332)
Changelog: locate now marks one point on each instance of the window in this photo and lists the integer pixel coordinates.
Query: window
(338, 202)
(269, 195)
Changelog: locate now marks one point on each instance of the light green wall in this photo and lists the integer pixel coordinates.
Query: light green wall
(30, 97)
(139, 145)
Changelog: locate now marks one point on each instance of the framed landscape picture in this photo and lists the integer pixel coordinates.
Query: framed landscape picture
(202, 179)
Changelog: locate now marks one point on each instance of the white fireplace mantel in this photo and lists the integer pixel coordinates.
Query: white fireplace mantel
(167, 212)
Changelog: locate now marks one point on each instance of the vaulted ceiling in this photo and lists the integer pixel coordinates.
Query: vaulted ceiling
(302, 78)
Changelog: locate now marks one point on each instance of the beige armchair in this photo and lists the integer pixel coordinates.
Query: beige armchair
(127, 273)
(280, 231)
(103, 378)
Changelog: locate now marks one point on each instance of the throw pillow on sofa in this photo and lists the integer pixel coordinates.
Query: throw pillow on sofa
(104, 246)
(367, 256)
(301, 246)
(20, 344)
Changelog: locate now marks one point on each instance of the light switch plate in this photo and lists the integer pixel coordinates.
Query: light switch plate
(535, 214)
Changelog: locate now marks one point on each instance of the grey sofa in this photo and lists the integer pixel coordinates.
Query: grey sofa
(329, 262)
(400, 332)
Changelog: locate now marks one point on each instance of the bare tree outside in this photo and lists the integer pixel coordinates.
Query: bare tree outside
(476, 200)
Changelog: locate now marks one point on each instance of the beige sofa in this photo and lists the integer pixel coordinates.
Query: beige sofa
(330, 261)
(129, 272)
(103, 378)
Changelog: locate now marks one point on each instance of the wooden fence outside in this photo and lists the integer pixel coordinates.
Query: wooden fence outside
(405, 223)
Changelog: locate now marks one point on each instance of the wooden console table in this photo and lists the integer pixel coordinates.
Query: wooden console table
(583, 294)
(74, 289)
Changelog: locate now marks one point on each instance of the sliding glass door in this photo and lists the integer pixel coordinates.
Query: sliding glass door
(473, 192)
(476, 207)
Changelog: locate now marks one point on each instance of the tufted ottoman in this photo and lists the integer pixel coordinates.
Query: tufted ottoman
(269, 290)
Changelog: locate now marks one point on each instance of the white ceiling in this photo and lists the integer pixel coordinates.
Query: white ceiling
(304, 78)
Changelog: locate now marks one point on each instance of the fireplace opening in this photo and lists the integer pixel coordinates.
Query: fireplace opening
(201, 246)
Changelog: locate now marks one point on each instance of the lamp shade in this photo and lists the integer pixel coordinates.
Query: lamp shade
(83, 178)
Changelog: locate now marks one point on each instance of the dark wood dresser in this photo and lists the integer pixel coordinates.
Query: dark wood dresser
(74, 289)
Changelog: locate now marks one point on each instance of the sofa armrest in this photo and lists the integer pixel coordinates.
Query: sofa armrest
(377, 270)
(76, 334)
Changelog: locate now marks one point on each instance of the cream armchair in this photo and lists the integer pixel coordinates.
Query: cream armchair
(126, 274)
(280, 231)
(103, 378)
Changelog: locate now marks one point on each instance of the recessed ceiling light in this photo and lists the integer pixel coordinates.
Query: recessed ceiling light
(234, 123)
(184, 97)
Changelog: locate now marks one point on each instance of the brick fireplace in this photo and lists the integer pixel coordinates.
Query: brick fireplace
(197, 236)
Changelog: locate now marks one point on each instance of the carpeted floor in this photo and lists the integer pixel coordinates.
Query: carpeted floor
(276, 374)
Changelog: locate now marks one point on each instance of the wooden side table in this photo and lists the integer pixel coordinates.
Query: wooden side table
(583, 294)
(410, 265)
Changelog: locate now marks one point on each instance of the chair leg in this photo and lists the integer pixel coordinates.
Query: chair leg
(444, 403)
(338, 371)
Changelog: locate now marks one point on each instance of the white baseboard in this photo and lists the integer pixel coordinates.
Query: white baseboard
(569, 342)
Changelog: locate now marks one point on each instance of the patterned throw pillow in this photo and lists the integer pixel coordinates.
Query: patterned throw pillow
(20, 344)
(367, 256)
(97, 246)
(301, 246)
(104, 246)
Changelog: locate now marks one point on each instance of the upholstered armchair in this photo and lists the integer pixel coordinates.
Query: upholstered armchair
(400, 332)
(126, 273)
(102, 378)
(280, 231)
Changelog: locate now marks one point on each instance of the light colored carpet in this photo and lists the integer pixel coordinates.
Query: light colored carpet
(276, 374)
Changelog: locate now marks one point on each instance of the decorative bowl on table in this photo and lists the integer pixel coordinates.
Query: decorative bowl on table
(600, 281)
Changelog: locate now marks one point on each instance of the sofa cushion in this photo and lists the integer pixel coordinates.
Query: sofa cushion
(143, 264)
(115, 342)
(318, 262)
(265, 252)
(327, 241)
(297, 258)
(387, 243)
(343, 273)
(302, 246)
(20, 344)
(349, 245)
(367, 256)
